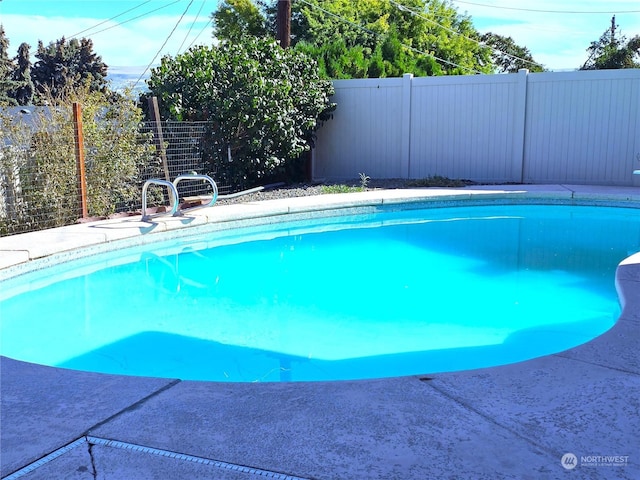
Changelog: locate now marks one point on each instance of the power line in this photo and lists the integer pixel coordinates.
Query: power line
(133, 18)
(164, 44)
(200, 33)
(573, 12)
(192, 24)
(407, 9)
(380, 36)
(108, 20)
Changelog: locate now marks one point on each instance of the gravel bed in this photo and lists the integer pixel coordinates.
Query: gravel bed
(306, 190)
(287, 191)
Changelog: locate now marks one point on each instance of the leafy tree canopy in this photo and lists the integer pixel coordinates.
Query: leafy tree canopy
(613, 52)
(237, 18)
(263, 103)
(370, 38)
(509, 57)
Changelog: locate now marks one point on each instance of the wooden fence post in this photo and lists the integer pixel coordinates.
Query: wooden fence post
(82, 178)
(157, 135)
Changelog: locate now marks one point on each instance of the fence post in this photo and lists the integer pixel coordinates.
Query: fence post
(157, 135)
(520, 125)
(79, 138)
(405, 128)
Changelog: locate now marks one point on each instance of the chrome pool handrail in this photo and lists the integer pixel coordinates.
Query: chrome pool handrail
(196, 176)
(173, 197)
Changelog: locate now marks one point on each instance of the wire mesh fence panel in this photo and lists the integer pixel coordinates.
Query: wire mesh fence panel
(180, 149)
(39, 181)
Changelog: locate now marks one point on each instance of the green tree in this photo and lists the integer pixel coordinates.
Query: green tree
(67, 64)
(237, 18)
(39, 170)
(388, 59)
(24, 88)
(613, 52)
(396, 60)
(263, 104)
(335, 60)
(391, 35)
(454, 41)
(7, 66)
(508, 56)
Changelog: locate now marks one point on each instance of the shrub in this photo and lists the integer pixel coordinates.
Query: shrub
(263, 104)
(38, 167)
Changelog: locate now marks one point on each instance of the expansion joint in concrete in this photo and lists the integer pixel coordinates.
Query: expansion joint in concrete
(597, 364)
(133, 406)
(464, 404)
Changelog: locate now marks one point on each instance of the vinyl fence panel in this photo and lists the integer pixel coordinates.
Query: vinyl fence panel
(467, 127)
(555, 127)
(365, 134)
(582, 127)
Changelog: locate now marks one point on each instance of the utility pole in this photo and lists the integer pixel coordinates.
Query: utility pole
(613, 30)
(284, 23)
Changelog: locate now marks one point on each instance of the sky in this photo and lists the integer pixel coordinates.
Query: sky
(556, 32)
(131, 35)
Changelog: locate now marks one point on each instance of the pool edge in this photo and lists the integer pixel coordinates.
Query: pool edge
(528, 414)
(17, 252)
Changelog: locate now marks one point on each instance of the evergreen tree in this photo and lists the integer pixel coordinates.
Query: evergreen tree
(22, 76)
(7, 85)
(67, 64)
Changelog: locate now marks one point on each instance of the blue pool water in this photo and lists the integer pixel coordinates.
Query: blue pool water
(375, 295)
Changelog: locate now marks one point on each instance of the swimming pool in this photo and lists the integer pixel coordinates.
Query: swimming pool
(423, 291)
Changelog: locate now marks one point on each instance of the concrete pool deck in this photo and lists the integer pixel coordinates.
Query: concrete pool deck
(514, 421)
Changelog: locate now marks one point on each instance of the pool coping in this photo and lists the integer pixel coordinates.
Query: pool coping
(515, 420)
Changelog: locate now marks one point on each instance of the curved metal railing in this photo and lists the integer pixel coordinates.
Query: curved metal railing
(195, 176)
(173, 197)
(172, 187)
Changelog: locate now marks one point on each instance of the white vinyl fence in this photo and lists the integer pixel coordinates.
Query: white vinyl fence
(578, 127)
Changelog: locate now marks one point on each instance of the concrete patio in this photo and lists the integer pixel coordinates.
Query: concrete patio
(515, 421)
